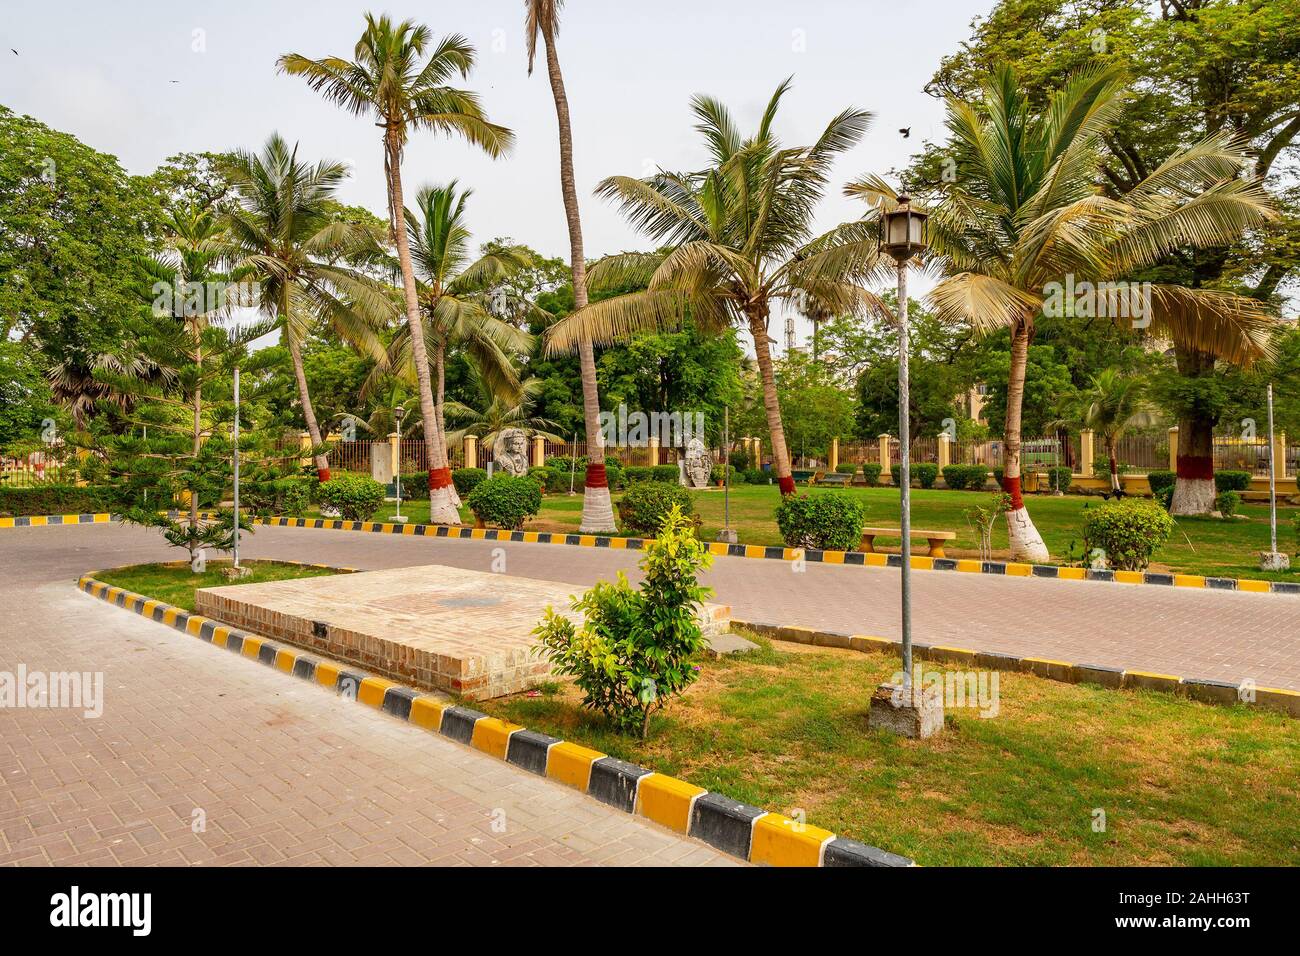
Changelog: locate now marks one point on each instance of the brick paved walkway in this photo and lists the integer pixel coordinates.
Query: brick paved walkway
(284, 772)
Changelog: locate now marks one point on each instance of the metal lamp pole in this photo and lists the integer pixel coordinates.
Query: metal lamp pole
(903, 235)
(398, 414)
(1272, 477)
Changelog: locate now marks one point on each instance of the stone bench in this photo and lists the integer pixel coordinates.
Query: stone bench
(934, 538)
(837, 478)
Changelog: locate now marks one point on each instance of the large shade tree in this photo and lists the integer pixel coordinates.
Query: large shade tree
(400, 78)
(1024, 213)
(542, 19)
(735, 239)
(290, 247)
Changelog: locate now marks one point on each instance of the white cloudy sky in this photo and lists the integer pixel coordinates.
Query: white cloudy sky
(101, 69)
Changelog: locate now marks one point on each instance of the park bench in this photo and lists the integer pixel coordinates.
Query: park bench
(837, 478)
(804, 475)
(934, 538)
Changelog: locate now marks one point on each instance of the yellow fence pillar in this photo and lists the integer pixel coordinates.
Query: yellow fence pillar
(304, 446)
(395, 452)
(654, 450)
(945, 451)
(835, 454)
(1279, 455)
(539, 451)
(471, 451)
(1173, 449)
(1087, 451)
(884, 454)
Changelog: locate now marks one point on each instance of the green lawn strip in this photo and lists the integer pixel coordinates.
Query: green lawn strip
(176, 585)
(1207, 546)
(1180, 782)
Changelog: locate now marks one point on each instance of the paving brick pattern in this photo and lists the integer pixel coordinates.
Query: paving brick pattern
(281, 771)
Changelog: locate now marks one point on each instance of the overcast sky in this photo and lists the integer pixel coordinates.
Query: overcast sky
(103, 71)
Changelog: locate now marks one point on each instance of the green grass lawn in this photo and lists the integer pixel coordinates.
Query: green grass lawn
(784, 728)
(1208, 546)
(176, 585)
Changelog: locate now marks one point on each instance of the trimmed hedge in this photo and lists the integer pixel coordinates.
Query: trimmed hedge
(923, 473)
(1129, 532)
(506, 500)
(1231, 480)
(847, 469)
(467, 479)
(665, 472)
(1161, 481)
(962, 477)
(1059, 477)
(871, 471)
(645, 505)
(756, 476)
(1227, 503)
(831, 521)
(357, 497)
(55, 499)
(278, 496)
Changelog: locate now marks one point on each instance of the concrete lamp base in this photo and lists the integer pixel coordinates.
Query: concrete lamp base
(915, 712)
(728, 536)
(1274, 561)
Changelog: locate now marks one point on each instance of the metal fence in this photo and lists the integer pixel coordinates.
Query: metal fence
(36, 468)
(1234, 453)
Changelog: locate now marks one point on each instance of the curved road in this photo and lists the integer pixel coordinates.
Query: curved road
(281, 772)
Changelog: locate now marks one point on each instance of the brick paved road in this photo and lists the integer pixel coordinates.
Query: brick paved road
(284, 772)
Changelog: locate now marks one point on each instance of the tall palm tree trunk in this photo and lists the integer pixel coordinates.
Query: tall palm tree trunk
(308, 410)
(440, 363)
(441, 509)
(1194, 490)
(597, 509)
(771, 404)
(198, 447)
(1025, 542)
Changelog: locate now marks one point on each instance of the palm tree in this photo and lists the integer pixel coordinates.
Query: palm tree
(455, 295)
(735, 239)
(597, 509)
(1025, 215)
(391, 78)
(499, 412)
(1112, 405)
(286, 240)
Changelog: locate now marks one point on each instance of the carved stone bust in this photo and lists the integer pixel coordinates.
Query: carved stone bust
(697, 465)
(510, 452)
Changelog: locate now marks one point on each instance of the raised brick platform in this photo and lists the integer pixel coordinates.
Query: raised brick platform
(439, 628)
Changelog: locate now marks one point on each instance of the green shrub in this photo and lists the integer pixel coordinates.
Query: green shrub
(634, 650)
(847, 469)
(871, 471)
(740, 460)
(719, 473)
(1227, 503)
(415, 485)
(1161, 481)
(828, 522)
(357, 497)
(637, 473)
(923, 473)
(505, 500)
(665, 472)
(277, 496)
(1165, 497)
(757, 476)
(1128, 532)
(962, 477)
(645, 506)
(467, 479)
(1059, 478)
(53, 499)
(1231, 480)
(1101, 466)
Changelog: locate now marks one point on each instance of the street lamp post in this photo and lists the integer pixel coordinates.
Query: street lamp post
(398, 414)
(1273, 559)
(235, 431)
(904, 235)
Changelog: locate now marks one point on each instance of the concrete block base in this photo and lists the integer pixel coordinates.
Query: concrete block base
(728, 536)
(1274, 561)
(914, 712)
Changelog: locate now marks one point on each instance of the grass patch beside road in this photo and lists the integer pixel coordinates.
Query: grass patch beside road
(176, 585)
(1181, 783)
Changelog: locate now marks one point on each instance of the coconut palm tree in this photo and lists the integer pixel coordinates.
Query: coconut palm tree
(1112, 405)
(597, 509)
(498, 412)
(285, 239)
(1025, 219)
(735, 239)
(455, 296)
(396, 77)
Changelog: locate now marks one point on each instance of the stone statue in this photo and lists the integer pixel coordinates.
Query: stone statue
(697, 466)
(510, 452)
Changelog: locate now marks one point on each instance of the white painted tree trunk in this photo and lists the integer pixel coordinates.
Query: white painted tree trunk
(441, 508)
(1025, 542)
(1192, 496)
(597, 511)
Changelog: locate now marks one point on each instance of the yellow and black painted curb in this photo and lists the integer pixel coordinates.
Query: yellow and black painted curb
(1113, 678)
(97, 517)
(775, 553)
(743, 831)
